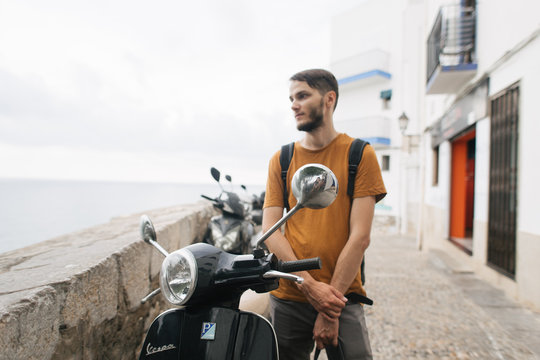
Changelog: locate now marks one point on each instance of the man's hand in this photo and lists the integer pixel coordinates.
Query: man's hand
(325, 331)
(326, 299)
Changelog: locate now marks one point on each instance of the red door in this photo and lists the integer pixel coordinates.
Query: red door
(462, 186)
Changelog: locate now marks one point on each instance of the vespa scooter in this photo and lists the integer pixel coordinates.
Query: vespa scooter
(207, 283)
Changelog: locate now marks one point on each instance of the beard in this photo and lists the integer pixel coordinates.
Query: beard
(315, 119)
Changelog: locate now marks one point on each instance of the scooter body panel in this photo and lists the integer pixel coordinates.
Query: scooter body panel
(162, 340)
(209, 333)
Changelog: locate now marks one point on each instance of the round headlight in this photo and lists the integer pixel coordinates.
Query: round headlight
(178, 277)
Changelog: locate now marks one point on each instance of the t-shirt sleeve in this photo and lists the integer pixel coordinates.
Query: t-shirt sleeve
(274, 183)
(369, 181)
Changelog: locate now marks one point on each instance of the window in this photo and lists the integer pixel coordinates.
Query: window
(386, 96)
(385, 163)
(503, 180)
(435, 162)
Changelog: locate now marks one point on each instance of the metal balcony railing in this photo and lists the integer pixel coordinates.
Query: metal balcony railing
(452, 39)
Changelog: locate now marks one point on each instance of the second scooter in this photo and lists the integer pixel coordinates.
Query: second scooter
(232, 229)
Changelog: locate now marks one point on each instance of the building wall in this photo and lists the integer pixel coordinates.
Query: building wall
(501, 25)
(392, 28)
(481, 191)
(508, 50)
(391, 180)
(523, 67)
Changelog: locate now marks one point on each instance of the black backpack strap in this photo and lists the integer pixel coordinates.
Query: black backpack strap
(356, 298)
(355, 156)
(332, 352)
(285, 157)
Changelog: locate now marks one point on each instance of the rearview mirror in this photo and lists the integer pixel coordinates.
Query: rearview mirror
(148, 233)
(314, 186)
(215, 173)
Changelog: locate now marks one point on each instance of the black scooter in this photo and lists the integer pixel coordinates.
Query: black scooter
(207, 283)
(233, 229)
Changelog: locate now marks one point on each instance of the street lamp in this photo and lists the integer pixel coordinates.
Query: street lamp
(411, 163)
(403, 122)
(409, 141)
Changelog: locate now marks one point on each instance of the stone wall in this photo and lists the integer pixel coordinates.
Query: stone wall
(78, 296)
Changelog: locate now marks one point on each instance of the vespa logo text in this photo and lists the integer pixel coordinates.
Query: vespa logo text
(152, 350)
(208, 331)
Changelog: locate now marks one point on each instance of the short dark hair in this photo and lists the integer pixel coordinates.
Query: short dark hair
(320, 79)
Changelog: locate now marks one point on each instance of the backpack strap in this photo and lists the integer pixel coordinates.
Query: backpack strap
(355, 156)
(285, 157)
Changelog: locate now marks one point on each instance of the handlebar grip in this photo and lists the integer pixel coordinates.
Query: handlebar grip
(208, 198)
(299, 265)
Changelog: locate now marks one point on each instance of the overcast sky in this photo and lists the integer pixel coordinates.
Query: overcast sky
(153, 90)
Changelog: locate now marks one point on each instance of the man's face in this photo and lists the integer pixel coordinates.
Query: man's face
(307, 105)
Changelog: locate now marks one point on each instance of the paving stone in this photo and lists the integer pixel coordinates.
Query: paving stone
(423, 311)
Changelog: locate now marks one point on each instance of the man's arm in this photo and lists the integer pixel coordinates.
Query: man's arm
(323, 297)
(349, 261)
(351, 256)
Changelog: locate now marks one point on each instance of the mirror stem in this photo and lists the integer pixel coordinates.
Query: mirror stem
(157, 246)
(151, 295)
(277, 225)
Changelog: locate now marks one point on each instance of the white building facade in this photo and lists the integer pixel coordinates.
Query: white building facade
(368, 59)
(481, 120)
(462, 176)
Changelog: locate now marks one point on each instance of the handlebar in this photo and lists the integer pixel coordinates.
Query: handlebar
(299, 265)
(283, 268)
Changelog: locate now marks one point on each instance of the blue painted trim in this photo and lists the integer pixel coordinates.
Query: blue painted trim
(449, 68)
(459, 67)
(377, 140)
(364, 75)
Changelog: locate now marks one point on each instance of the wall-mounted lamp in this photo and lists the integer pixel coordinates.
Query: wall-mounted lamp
(403, 122)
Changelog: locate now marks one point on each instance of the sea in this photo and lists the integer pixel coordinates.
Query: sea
(32, 211)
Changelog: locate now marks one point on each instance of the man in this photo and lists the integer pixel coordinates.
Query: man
(339, 234)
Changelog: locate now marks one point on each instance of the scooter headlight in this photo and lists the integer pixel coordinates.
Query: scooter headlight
(178, 277)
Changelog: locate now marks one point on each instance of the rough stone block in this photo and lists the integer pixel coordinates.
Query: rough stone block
(29, 330)
(93, 295)
(133, 262)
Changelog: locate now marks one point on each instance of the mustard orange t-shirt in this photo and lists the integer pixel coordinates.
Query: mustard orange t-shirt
(323, 232)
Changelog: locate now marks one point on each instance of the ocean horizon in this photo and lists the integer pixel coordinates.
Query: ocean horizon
(35, 210)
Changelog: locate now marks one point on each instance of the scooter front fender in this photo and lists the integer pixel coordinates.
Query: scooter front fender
(214, 333)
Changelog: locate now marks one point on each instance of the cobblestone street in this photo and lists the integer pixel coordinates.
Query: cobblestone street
(423, 310)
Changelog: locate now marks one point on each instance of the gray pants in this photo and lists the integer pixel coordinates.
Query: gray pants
(294, 321)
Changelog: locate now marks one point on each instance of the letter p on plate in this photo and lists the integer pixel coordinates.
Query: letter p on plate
(208, 331)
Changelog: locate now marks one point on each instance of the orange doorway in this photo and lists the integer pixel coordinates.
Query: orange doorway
(462, 190)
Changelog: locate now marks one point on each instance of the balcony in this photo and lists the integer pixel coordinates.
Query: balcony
(375, 129)
(362, 69)
(451, 61)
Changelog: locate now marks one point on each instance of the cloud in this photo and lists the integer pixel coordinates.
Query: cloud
(98, 85)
